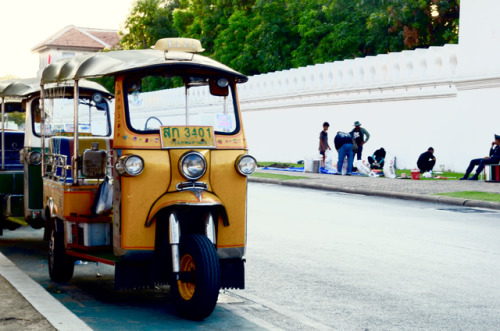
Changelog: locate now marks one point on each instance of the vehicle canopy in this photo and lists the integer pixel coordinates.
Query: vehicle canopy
(166, 52)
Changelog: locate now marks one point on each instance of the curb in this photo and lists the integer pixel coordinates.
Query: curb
(385, 194)
(54, 312)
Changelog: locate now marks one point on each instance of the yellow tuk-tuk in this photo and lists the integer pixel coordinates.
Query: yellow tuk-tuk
(164, 198)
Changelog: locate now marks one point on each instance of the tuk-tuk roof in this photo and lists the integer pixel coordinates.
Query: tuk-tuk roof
(115, 62)
(21, 88)
(18, 87)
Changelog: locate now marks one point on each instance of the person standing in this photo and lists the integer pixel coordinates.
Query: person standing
(494, 158)
(343, 145)
(426, 161)
(360, 136)
(323, 142)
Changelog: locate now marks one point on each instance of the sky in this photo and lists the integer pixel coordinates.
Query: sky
(26, 23)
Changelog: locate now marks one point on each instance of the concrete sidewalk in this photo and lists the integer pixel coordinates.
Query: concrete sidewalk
(420, 190)
(25, 305)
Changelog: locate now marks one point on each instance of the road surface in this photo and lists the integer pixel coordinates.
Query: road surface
(318, 260)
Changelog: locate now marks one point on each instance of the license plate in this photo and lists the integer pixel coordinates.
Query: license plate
(187, 137)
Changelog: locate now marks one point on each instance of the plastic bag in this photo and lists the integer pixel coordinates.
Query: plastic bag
(344, 167)
(103, 200)
(362, 168)
(390, 167)
(329, 159)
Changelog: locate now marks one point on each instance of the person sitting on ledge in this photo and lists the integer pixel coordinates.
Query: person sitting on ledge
(377, 159)
(494, 158)
(426, 161)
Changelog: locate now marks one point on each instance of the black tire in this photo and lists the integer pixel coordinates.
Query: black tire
(61, 266)
(197, 291)
(36, 223)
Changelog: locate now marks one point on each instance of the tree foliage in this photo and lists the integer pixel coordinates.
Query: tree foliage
(259, 36)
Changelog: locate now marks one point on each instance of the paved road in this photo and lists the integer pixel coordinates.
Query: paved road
(319, 260)
(354, 262)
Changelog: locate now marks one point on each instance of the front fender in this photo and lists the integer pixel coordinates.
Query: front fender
(182, 198)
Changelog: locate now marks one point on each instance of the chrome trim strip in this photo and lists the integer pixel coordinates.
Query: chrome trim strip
(210, 228)
(175, 237)
(184, 186)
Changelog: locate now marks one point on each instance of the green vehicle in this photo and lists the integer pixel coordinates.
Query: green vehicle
(21, 189)
(13, 117)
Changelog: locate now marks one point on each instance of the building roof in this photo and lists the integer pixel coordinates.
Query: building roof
(77, 38)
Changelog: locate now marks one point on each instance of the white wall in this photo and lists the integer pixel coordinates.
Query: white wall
(445, 97)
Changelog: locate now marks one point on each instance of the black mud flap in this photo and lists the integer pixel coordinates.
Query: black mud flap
(232, 273)
(133, 275)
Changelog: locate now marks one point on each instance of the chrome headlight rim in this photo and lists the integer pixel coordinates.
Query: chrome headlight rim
(183, 159)
(123, 170)
(239, 162)
(34, 158)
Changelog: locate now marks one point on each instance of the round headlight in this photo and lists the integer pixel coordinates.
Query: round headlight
(246, 165)
(34, 158)
(193, 165)
(130, 165)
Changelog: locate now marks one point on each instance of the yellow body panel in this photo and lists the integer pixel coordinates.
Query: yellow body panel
(231, 188)
(139, 194)
(183, 198)
(68, 200)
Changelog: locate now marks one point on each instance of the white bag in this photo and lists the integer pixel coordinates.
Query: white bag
(390, 166)
(328, 159)
(344, 167)
(362, 168)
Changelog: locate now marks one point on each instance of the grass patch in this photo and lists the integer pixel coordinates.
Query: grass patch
(473, 195)
(277, 176)
(267, 164)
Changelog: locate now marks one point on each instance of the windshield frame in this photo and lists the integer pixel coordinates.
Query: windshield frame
(182, 73)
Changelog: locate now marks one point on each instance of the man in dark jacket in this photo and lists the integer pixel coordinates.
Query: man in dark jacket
(426, 161)
(360, 136)
(494, 158)
(343, 144)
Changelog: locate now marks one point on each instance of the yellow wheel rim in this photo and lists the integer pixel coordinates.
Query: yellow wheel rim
(186, 290)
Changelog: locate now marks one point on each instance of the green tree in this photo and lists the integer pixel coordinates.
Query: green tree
(259, 36)
(401, 24)
(148, 21)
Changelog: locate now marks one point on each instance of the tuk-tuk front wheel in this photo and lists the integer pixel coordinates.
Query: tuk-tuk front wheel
(61, 266)
(197, 289)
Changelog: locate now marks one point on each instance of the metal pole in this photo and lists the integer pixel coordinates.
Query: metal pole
(3, 133)
(42, 127)
(187, 107)
(74, 171)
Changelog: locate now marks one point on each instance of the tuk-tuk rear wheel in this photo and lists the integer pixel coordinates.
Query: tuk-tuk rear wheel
(197, 290)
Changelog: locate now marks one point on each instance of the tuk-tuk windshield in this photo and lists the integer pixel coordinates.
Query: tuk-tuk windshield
(14, 116)
(155, 100)
(93, 118)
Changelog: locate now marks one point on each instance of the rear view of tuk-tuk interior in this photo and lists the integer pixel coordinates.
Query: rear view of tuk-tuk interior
(155, 186)
(21, 183)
